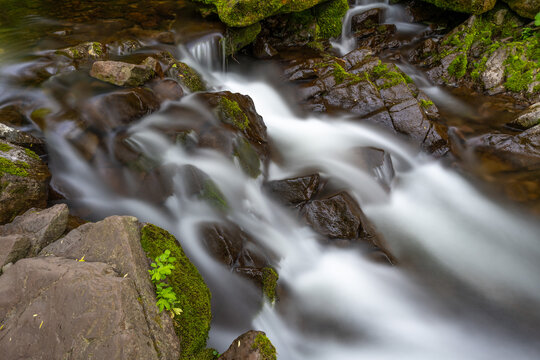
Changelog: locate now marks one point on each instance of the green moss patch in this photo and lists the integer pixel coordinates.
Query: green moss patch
(426, 103)
(265, 347)
(231, 113)
(31, 154)
(5, 147)
(214, 196)
(329, 18)
(390, 76)
(17, 168)
(237, 38)
(247, 157)
(270, 278)
(193, 324)
(189, 77)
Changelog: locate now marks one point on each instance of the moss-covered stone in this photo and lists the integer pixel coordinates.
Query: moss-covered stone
(231, 113)
(426, 103)
(389, 76)
(241, 13)
(247, 157)
(238, 38)
(265, 347)
(270, 278)
(193, 324)
(5, 147)
(465, 6)
(213, 195)
(188, 77)
(17, 168)
(32, 154)
(329, 18)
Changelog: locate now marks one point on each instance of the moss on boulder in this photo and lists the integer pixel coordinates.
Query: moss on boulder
(466, 6)
(193, 324)
(241, 13)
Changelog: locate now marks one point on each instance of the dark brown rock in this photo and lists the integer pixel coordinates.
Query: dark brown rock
(337, 217)
(166, 89)
(294, 191)
(21, 138)
(367, 19)
(109, 111)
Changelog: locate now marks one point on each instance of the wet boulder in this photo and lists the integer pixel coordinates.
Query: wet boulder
(23, 181)
(166, 89)
(252, 345)
(295, 191)
(466, 6)
(366, 19)
(124, 74)
(337, 217)
(118, 108)
(40, 226)
(182, 72)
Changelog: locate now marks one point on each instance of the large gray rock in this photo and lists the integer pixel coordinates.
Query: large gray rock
(124, 74)
(41, 227)
(116, 241)
(23, 181)
(528, 118)
(252, 345)
(57, 308)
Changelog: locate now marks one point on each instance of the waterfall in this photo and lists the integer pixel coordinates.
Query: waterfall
(209, 51)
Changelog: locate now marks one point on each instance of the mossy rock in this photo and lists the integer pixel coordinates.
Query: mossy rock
(466, 6)
(241, 13)
(238, 38)
(193, 324)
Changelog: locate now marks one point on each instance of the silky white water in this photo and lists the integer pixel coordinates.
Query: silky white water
(341, 304)
(467, 284)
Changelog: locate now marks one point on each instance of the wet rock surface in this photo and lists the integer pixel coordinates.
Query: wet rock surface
(23, 181)
(252, 345)
(124, 74)
(295, 191)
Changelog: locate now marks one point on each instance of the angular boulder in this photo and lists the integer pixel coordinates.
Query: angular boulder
(116, 241)
(41, 227)
(295, 191)
(124, 74)
(72, 309)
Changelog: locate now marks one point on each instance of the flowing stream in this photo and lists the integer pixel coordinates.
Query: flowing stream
(467, 286)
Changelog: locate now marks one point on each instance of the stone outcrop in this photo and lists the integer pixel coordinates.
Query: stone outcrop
(124, 74)
(525, 8)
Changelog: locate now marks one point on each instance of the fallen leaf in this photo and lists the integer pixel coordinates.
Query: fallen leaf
(40, 325)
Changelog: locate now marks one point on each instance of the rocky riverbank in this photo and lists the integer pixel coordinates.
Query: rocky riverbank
(82, 289)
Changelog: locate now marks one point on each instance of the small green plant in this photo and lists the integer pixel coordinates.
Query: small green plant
(537, 19)
(527, 32)
(161, 268)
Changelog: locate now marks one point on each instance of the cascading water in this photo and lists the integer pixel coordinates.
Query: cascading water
(391, 14)
(209, 51)
(339, 303)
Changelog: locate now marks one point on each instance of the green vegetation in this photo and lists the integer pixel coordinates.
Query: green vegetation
(193, 324)
(537, 19)
(247, 157)
(231, 113)
(162, 267)
(390, 75)
(483, 36)
(265, 347)
(5, 147)
(426, 103)
(329, 18)
(466, 6)
(237, 38)
(213, 195)
(17, 168)
(270, 278)
(31, 154)
(188, 77)
(340, 75)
